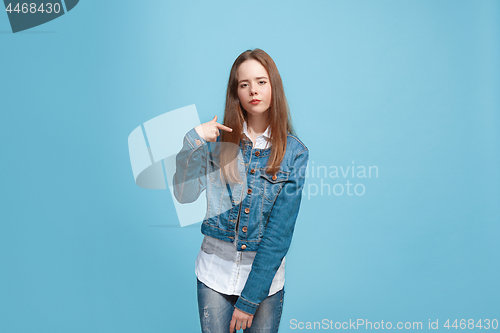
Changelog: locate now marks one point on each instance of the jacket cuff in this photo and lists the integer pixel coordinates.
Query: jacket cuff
(194, 139)
(246, 306)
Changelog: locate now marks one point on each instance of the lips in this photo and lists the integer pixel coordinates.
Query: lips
(255, 101)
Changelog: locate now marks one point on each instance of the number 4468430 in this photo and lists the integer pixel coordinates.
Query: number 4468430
(32, 8)
(463, 324)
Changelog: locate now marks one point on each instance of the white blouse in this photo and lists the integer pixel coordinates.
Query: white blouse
(219, 264)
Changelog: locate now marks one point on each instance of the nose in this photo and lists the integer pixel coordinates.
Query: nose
(253, 91)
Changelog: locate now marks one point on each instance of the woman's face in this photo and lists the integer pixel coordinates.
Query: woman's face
(254, 87)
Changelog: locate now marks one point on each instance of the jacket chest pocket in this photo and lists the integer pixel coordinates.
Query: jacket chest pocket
(271, 185)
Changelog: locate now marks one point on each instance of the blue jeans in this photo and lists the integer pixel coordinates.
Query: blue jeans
(216, 311)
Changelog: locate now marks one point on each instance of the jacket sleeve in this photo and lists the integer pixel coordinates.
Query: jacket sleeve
(276, 239)
(190, 168)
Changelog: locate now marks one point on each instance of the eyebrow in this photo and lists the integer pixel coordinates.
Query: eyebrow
(258, 78)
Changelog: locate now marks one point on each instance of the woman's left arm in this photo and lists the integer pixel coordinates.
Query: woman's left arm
(276, 239)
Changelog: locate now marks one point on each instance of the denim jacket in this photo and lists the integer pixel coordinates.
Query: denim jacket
(262, 209)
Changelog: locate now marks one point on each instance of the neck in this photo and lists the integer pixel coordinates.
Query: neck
(257, 124)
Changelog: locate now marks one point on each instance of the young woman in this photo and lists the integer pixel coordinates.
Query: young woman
(252, 169)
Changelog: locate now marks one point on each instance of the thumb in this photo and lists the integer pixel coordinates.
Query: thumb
(215, 118)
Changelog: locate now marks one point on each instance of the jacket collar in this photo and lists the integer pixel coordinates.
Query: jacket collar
(265, 136)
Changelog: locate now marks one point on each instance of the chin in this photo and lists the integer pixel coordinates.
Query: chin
(256, 111)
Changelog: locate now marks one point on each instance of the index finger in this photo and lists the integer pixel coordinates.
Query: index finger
(232, 325)
(222, 127)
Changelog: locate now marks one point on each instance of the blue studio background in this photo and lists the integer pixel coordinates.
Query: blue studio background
(410, 88)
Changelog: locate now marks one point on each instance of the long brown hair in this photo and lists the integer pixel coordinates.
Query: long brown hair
(234, 116)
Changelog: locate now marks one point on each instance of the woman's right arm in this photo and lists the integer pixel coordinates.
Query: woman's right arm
(191, 162)
(190, 172)
(190, 168)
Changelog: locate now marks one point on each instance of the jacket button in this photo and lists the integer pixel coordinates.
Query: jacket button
(252, 171)
(198, 142)
(247, 210)
(257, 153)
(274, 177)
(243, 247)
(249, 191)
(244, 229)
